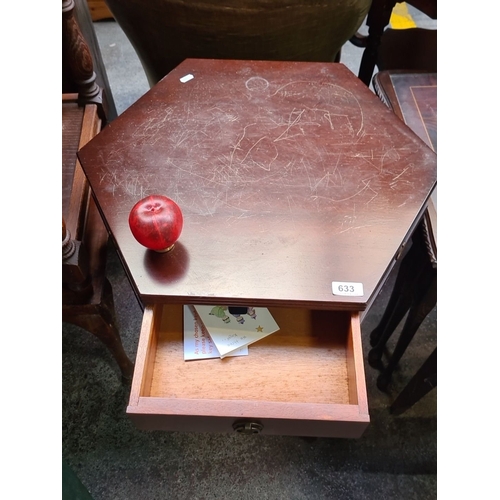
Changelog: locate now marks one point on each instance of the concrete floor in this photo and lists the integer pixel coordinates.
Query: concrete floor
(396, 457)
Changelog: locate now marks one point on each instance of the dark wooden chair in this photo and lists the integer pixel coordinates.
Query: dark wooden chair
(411, 49)
(165, 32)
(87, 298)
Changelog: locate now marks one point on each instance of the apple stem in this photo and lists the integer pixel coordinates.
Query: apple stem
(166, 249)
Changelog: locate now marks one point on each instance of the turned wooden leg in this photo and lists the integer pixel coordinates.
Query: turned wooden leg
(421, 383)
(100, 321)
(424, 302)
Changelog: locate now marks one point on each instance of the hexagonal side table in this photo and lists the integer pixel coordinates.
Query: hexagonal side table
(291, 177)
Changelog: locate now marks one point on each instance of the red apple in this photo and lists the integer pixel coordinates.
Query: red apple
(156, 222)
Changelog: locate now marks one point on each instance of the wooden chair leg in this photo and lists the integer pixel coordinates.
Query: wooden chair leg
(100, 321)
(400, 300)
(424, 302)
(378, 18)
(421, 383)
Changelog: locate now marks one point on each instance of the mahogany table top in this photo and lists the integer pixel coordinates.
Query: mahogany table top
(289, 175)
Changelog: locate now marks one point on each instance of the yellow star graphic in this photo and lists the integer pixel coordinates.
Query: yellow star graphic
(259, 328)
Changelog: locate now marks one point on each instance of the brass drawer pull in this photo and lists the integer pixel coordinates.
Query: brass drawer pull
(248, 427)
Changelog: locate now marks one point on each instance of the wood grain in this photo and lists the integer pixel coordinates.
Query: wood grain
(413, 97)
(305, 361)
(79, 125)
(289, 176)
(72, 116)
(295, 381)
(99, 10)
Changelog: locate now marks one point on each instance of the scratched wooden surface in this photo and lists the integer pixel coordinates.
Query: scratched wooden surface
(289, 175)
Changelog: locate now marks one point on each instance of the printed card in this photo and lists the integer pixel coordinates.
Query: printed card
(234, 327)
(197, 341)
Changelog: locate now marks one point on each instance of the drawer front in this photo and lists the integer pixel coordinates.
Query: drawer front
(306, 379)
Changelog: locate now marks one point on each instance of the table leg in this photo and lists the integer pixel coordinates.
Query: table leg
(424, 301)
(99, 319)
(421, 383)
(402, 296)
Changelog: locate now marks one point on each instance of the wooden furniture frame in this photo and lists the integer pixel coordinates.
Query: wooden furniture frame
(290, 176)
(87, 298)
(307, 379)
(413, 98)
(412, 95)
(414, 294)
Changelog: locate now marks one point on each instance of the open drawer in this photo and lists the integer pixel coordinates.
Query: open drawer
(306, 379)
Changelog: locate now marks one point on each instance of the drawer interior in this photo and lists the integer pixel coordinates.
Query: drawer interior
(309, 360)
